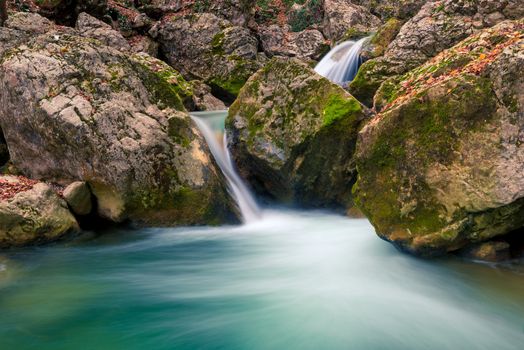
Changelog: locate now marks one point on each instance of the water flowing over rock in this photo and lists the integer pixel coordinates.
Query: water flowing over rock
(31, 212)
(212, 126)
(73, 109)
(292, 135)
(341, 64)
(205, 47)
(441, 165)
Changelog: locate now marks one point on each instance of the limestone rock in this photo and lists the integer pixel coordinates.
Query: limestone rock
(437, 26)
(72, 109)
(208, 48)
(78, 197)
(90, 27)
(278, 41)
(142, 43)
(203, 99)
(341, 16)
(31, 213)
(292, 135)
(441, 165)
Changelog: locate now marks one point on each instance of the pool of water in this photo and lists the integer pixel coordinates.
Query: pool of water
(294, 280)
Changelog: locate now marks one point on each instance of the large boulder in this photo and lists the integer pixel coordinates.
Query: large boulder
(292, 134)
(442, 165)
(90, 27)
(31, 213)
(206, 47)
(73, 109)
(437, 26)
(341, 16)
(279, 41)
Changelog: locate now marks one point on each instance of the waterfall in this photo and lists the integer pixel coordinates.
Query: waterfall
(341, 64)
(212, 126)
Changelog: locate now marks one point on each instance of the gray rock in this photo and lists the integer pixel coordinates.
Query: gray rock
(441, 166)
(72, 109)
(293, 133)
(90, 27)
(32, 215)
(78, 197)
(208, 48)
(278, 41)
(341, 16)
(203, 99)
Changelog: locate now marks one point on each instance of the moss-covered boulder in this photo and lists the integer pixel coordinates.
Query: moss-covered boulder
(437, 26)
(31, 213)
(292, 134)
(208, 48)
(73, 109)
(441, 165)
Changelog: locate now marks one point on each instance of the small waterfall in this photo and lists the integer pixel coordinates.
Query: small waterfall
(341, 64)
(212, 126)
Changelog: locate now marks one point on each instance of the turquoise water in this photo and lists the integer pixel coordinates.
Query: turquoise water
(295, 280)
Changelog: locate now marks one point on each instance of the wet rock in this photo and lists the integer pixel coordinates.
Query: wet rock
(341, 16)
(292, 135)
(78, 197)
(72, 109)
(90, 27)
(441, 165)
(31, 213)
(205, 47)
(489, 252)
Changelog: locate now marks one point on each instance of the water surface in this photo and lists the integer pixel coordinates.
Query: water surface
(295, 280)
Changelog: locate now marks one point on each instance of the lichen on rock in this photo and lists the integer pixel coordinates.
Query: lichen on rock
(293, 134)
(440, 166)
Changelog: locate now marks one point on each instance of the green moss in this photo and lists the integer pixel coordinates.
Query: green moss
(385, 36)
(217, 43)
(339, 107)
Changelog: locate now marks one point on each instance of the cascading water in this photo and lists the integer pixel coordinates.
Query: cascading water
(212, 126)
(341, 64)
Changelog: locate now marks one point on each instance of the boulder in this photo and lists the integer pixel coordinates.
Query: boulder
(31, 213)
(78, 197)
(65, 12)
(341, 16)
(208, 48)
(203, 99)
(73, 109)
(437, 26)
(143, 43)
(90, 27)
(441, 165)
(292, 134)
(279, 41)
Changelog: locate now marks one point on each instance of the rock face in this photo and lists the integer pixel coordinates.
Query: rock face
(293, 135)
(280, 41)
(387, 9)
(341, 16)
(31, 213)
(90, 27)
(78, 197)
(205, 47)
(438, 26)
(73, 109)
(441, 165)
